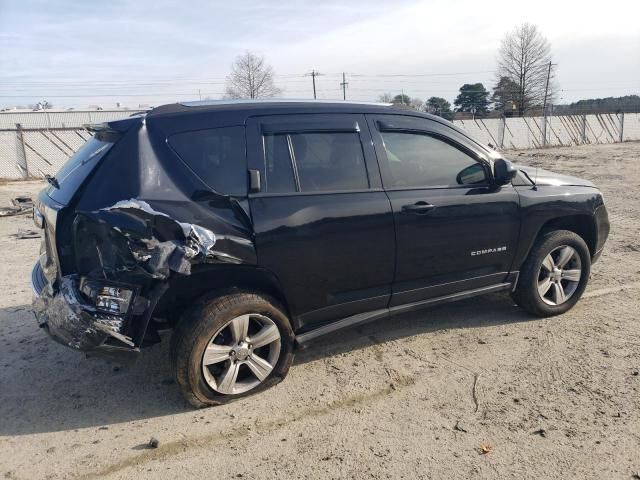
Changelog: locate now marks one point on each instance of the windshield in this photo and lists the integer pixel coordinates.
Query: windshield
(78, 167)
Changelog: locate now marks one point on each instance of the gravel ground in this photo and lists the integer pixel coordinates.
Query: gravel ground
(476, 389)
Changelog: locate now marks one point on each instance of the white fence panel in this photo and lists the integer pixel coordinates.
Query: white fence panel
(9, 149)
(67, 119)
(603, 128)
(631, 129)
(48, 139)
(522, 132)
(487, 131)
(45, 153)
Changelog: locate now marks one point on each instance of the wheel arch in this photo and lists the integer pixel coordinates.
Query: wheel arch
(583, 225)
(184, 291)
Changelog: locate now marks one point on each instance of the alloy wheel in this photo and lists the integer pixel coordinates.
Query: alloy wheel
(242, 354)
(559, 275)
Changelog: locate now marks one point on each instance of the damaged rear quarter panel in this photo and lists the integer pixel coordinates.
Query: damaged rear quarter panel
(153, 243)
(142, 218)
(134, 243)
(148, 183)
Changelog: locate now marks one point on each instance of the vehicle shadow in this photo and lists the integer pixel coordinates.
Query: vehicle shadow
(47, 387)
(482, 311)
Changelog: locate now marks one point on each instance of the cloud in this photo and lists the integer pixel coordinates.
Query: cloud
(153, 50)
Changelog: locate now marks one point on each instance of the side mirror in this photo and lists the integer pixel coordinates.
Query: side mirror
(472, 174)
(503, 172)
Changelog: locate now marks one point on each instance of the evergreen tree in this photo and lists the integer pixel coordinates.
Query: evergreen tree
(473, 98)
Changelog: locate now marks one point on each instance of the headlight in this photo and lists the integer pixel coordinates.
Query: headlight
(107, 297)
(38, 218)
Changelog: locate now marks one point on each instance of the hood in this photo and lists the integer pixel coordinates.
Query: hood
(546, 178)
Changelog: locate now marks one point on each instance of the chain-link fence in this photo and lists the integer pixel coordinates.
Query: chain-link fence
(28, 153)
(64, 119)
(34, 144)
(43, 143)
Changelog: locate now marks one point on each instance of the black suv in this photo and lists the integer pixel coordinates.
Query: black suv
(250, 227)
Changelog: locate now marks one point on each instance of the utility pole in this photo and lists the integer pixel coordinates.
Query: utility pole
(544, 106)
(546, 92)
(314, 74)
(344, 86)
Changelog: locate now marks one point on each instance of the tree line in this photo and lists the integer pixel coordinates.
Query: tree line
(525, 80)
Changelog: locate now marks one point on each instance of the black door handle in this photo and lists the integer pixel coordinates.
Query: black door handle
(419, 208)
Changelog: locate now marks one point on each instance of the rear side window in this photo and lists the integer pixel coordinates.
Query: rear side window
(217, 156)
(329, 161)
(279, 169)
(315, 162)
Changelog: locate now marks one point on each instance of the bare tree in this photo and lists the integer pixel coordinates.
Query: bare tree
(524, 58)
(385, 98)
(251, 78)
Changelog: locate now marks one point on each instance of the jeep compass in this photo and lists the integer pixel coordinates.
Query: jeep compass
(252, 227)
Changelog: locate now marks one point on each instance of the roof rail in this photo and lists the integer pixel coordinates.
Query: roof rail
(209, 103)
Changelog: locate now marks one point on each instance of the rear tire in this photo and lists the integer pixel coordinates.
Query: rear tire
(554, 275)
(231, 346)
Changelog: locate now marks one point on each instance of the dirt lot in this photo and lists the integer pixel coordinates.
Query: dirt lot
(413, 397)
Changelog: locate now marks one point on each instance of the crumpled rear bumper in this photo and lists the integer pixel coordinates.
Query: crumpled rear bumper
(69, 320)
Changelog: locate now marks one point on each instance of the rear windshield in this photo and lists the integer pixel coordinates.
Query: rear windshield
(78, 167)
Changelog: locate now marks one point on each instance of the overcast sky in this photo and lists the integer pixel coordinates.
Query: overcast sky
(78, 53)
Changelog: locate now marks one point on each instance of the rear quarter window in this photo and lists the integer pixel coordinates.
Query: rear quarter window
(73, 173)
(216, 156)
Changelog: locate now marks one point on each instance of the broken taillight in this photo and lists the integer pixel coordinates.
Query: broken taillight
(107, 298)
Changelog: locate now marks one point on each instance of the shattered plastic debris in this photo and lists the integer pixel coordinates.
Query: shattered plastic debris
(21, 205)
(75, 322)
(107, 326)
(25, 234)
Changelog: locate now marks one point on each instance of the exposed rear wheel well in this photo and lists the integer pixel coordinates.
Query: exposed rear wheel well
(583, 225)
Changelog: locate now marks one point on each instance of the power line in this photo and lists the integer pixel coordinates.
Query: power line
(361, 90)
(421, 74)
(215, 78)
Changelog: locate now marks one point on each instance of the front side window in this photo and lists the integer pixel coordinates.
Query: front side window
(315, 162)
(421, 160)
(217, 156)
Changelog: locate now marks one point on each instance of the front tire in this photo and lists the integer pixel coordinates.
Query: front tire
(554, 275)
(231, 346)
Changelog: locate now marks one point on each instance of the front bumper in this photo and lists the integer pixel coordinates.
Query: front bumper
(69, 320)
(602, 231)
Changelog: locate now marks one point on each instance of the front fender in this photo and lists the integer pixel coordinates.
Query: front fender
(546, 205)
